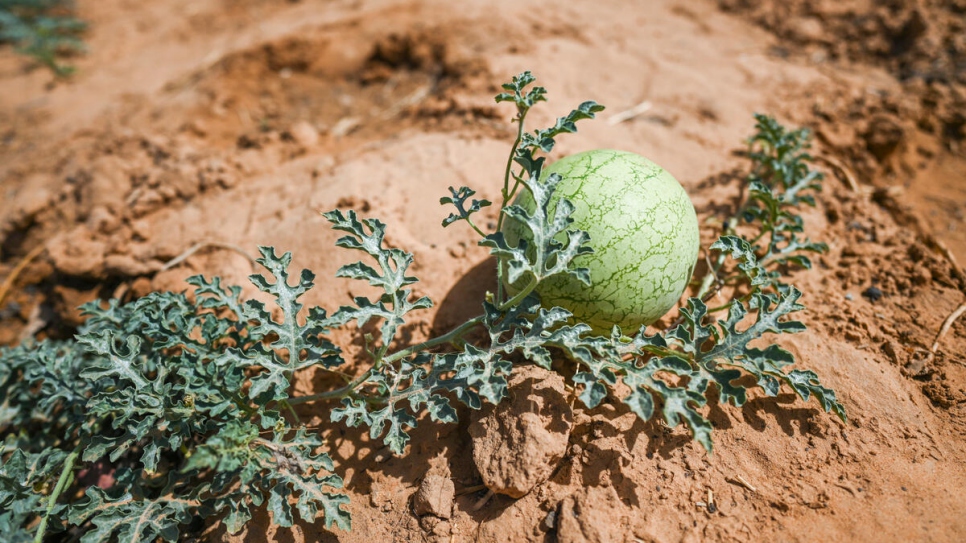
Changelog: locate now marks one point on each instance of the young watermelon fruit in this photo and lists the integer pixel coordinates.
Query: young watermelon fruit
(643, 230)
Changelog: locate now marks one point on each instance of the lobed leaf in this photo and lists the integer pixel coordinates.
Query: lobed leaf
(368, 235)
(552, 245)
(458, 199)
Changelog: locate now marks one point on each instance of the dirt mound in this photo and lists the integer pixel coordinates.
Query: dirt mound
(914, 40)
(904, 131)
(922, 43)
(517, 444)
(97, 205)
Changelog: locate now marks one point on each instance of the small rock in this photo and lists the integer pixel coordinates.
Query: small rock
(807, 29)
(921, 275)
(108, 184)
(102, 221)
(34, 197)
(441, 529)
(592, 516)
(915, 365)
(873, 294)
(550, 521)
(147, 201)
(383, 491)
(78, 254)
(893, 350)
(128, 266)
(518, 443)
(435, 497)
(304, 134)
(916, 253)
(883, 137)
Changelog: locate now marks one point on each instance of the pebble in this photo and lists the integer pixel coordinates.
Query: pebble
(873, 294)
(304, 134)
(435, 497)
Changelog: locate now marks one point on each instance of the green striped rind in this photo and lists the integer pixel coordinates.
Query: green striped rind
(642, 228)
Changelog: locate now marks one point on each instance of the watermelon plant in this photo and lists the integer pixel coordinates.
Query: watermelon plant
(182, 406)
(43, 29)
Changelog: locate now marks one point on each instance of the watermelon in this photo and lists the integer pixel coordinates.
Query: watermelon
(643, 230)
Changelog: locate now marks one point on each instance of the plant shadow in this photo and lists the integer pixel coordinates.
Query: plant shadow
(800, 420)
(464, 301)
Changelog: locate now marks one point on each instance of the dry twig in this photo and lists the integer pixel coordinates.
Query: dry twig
(740, 481)
(199, 246)
(631, 113)
(17, 270)
(483, 501)
(846, 172)
(937, 244)
(947, 324)
(470, 490)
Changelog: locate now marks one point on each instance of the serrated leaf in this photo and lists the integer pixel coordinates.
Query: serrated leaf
(594, 391)
(545, 139)
(741, 251)
(517, 91)
(239, 514)
(806, 383)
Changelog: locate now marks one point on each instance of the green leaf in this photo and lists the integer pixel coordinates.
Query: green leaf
(806, 382)
(458, 199)
(518, 94)
(594, 392)
(741, 251)
(297, 471)
(552, 245)
(368, 235)
(42, 29)
(545, 139)
(302, 343)
(126, 519)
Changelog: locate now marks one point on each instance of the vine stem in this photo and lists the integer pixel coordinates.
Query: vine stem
(704, 292)
(474, 227)
(333, 394)
(705, 286)
(65, 476)
(520, 295)
(7, 285)
(449, 337)
(521, 115)
(730, 222)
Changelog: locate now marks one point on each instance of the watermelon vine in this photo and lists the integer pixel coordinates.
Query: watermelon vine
(185, 402)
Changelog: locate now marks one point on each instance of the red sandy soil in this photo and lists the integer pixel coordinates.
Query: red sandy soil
(237, 121)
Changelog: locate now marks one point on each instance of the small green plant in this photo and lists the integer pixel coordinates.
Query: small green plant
(42, 29)
(779, 183)
(184, 402)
